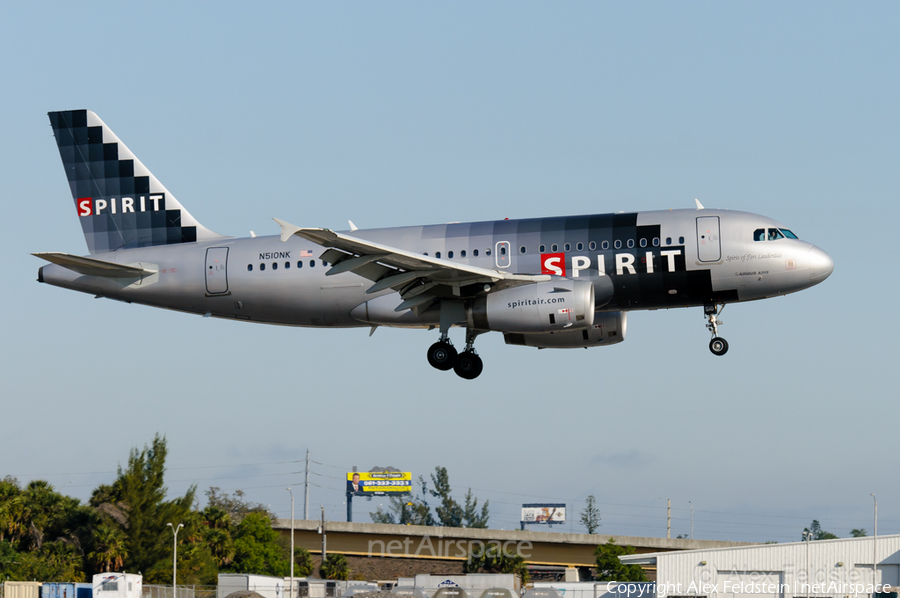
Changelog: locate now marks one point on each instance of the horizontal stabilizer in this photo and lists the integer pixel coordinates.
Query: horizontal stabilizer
(93, 267)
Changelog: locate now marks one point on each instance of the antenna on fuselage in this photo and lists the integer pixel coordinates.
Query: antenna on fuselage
(699, 205)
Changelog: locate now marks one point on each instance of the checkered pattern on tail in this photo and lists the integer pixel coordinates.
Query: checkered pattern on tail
(119, 202)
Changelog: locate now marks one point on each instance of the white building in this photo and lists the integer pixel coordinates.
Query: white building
(826, 568)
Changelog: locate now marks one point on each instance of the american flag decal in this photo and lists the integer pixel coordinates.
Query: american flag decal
(306, 253)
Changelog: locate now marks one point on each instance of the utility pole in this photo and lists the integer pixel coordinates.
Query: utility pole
(692, 519)
(875, 546)
(669, 520)
(306, 490)
(324, 540)
(292, 541)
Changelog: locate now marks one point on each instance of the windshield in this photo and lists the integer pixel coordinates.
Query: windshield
(772, 234)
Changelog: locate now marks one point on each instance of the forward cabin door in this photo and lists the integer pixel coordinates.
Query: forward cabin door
(216, 270)
(709, 246)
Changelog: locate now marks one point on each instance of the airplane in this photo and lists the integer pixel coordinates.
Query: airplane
(558, 282)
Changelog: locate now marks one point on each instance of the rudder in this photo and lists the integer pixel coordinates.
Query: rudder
(119, 202)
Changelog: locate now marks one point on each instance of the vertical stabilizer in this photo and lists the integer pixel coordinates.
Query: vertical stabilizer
(119, 202)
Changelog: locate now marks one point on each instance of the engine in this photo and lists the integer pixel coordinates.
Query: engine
(535, 308)
(608, 329)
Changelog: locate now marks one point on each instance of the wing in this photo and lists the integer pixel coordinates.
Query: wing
(420, 279)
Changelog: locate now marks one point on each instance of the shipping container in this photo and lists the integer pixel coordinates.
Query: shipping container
(22, 589)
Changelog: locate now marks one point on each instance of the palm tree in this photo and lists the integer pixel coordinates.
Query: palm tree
(110, 553)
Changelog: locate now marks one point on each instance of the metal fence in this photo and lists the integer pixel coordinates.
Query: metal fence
(187, 591)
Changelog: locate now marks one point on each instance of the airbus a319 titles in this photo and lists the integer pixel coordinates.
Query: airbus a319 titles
(555, 282)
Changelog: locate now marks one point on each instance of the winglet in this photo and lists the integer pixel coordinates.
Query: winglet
(699, 205)
(353, 227)
(287, 229)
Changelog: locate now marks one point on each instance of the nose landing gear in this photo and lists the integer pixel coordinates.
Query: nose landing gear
(718, 345)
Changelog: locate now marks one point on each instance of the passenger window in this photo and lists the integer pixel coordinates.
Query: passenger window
(554, 248)
(630, 243)
(681, 240)
(299, 264)
(262, 267)
(426, 253)
(643, 242)
(542, 249)
(668, 240)
(449, 255)
(324, 263)
(568, 246)
(462, 253)
(592, 245)
(605, 245)
(249, 267)
(312, 263)
(522, 249)
(503, 250)
(759, 234)
(618, 244)
(274, 265)
(580, 247)
(437, 254)
(775, 234)
(487, 251)
(475, 252)
(788, 234)
(287, 265)
(656, 241)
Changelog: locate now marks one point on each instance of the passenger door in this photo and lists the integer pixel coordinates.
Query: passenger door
(216, 270)
(709, 246)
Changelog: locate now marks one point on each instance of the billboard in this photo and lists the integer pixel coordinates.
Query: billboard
(379, 483)
(548, 514)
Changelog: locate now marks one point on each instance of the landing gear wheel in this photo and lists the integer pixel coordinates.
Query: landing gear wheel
(468, 365)
(442, 356)
(719, 346)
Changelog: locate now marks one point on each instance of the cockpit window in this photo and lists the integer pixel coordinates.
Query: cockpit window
(759, 234)
(788, 233)
(775, 234)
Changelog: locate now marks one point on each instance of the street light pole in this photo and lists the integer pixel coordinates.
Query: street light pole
(174, 554)
(292, 541)
(875, 545)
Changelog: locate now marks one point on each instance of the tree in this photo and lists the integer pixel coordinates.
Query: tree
(141, 489)
(109, 548)
(858, 533)
(590, 516)
(407, 510)
(610, 568)
(449, 513)
(496, 560)
(234, 505)
(472, 517)
(303, 562)
(335, 566)
(256, 548)
(816, 532)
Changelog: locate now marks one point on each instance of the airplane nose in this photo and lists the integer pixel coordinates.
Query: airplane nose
(820, 265)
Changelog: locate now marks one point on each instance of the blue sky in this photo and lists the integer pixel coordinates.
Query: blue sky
(399, 113)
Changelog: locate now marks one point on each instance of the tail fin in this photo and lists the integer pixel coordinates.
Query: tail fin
(119, 202)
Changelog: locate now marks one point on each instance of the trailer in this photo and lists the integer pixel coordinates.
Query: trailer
(117, 585)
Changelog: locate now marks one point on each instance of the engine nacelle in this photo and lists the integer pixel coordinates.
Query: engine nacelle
(608, 329)
(537, 307)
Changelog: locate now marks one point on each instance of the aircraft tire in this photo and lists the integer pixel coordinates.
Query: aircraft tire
(468, 365)
(442, 356)
(719, 346)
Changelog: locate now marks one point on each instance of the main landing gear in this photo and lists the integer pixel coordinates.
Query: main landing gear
(443, 356)
(718, 345)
